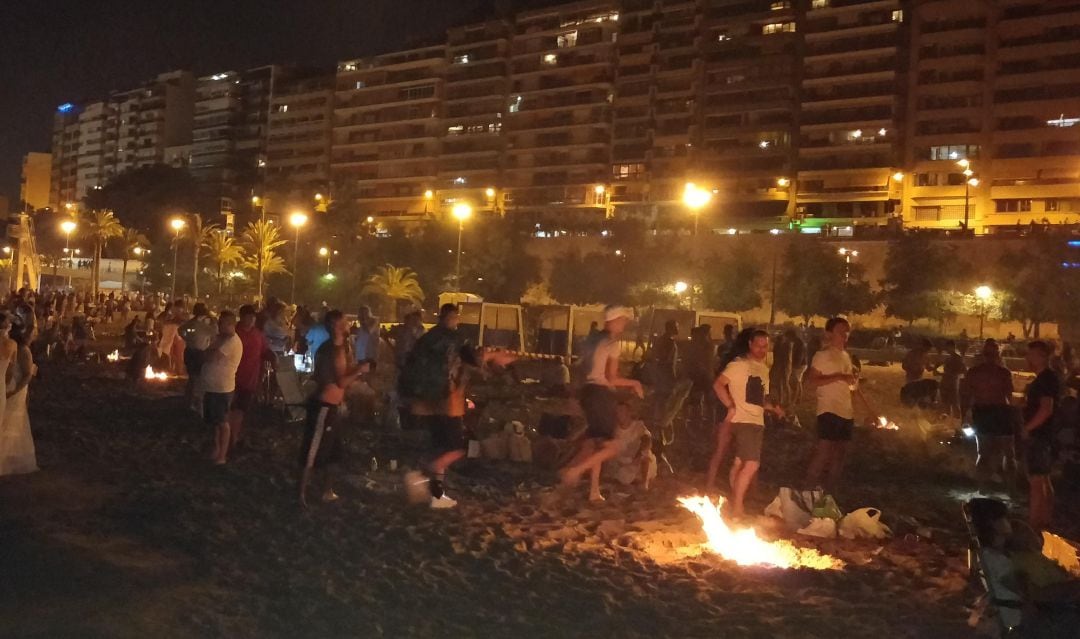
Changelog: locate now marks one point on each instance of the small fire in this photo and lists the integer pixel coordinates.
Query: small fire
(745, 548)
(113, 356)
(155, 375)
(885, 423)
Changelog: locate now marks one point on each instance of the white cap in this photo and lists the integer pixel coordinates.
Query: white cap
(614, 312)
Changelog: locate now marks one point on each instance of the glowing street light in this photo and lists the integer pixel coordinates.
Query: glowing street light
(782, 182)
(297, 220)
(848, 254)
(461, 212)
(969, 181)
(67, 227)
(983, 294)
(328, 254)
(898, 176)
(695, 199)
(680, 287)
(429, 195)
(177, 224)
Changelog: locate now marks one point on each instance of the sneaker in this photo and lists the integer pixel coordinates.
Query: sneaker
(416, 487)
(439, 503)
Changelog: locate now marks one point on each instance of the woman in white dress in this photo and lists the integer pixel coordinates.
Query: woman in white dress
(17, 455)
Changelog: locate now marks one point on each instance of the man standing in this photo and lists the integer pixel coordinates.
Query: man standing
(700, 368)
(249, 372)
(433, 382)
(600, 367)
(743, 389)
(366, 336)
(197, 333)
(665, 358)
(219, 381)
(1040, 405)
(986, 391)
(333, 373)
(832, 378)
(952, 369)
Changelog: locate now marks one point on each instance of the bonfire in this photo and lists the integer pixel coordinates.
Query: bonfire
(113, 356)
(151, 374)
(884, 423)
(744, 547)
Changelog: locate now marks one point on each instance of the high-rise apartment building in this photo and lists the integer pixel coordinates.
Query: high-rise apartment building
(387, 127)
(230, 132)
(36, 181)
(298, 148)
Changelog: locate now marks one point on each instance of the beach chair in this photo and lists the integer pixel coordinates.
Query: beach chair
(1005, 608)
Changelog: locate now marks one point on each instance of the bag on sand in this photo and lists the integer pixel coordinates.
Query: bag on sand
(797, 506)
(827, 508)
(824, 527)
(864, 523)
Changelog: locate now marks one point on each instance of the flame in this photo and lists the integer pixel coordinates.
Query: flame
(113, 356)
(744, 547)
(886, 424)
(152, 374)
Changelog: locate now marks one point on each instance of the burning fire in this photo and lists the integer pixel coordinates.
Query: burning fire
(113, 356)
(886, 424)
(155, 375)
(744, 547)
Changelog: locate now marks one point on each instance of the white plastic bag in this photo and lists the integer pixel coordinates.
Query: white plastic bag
(796, 506)
(774, 509)
(823, 527)
(864, 523)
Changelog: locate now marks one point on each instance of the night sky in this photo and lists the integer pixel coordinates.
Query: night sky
(56, 51)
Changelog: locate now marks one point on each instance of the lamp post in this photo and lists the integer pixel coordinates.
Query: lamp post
(461, 211)
(429, 195)
(297, 219)
(68, 226)
(695, 199)
(983, 293)
(325, 252)
(177, 224)
(848, 254)
(969, 182)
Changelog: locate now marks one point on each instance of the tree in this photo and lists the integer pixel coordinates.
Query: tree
(142, 197)
(200, 234)
(917, 274)
(496, 265)
(261, 243)
(133, 241)
(394, 284)
(733, 283)
(595, 278)
(1037, 285)
(101, 226)
(816, 280)
(223, 251)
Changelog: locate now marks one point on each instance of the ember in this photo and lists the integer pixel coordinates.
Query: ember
(155, 375)
(744, 547)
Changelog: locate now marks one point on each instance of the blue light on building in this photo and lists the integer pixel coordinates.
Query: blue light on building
(65, 107)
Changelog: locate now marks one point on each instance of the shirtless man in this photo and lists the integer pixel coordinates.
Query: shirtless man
(986, 391)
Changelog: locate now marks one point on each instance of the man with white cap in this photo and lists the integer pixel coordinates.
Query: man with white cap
(600, 367)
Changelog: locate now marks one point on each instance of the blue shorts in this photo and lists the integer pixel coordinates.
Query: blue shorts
(215, 408)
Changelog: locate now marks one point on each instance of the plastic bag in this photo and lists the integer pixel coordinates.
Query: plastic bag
(823, 527)
(864, 523)
(796, 507)
(826, 507)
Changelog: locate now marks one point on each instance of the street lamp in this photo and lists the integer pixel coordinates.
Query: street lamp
(68, 226)
(680, 287)
(461, 211)
(428, 196)
(695, 199)
(297, 219)
(969, 181)
(983, 294)
(177, 224)
(328, 254)
(848, 254)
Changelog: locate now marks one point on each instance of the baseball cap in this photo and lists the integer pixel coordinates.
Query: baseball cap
(614, 312)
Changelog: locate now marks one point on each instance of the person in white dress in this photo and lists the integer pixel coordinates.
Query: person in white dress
(17, 454)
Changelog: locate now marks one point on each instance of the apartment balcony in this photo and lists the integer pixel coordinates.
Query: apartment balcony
(858, 75)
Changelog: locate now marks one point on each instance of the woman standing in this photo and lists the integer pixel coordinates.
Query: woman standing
(17, 455)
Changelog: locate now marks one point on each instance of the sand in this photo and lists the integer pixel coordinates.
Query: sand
(128, 532)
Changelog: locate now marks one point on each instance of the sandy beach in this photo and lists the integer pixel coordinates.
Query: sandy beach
(127, 531)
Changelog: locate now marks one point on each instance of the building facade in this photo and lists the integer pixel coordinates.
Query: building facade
(298, 147)
(36, 181)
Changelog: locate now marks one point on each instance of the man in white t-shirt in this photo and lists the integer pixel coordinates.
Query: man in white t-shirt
(832, 377)
(218, 380)
(743, 388)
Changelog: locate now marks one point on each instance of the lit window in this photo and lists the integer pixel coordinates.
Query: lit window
(515, 104)
(567, 40)
(284, 108)
(735, 79)
(360, 84)
(455, 130)
(550, 58)
(778, 27)
(819, 4)
(458, 181)
(722, 37)
(1063, 122)
(780, 6)
(461, 59)
(1053, 206)
(898, 15)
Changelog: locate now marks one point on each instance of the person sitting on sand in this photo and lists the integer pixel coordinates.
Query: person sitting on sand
(743, 388)
(600, 366)
(634, 462)
(332, 373)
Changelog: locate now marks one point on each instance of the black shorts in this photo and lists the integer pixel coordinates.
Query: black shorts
(323, 444)
(193, 361)
(243, 400)
(215, 408)
(1039, 456)
(599, 404)
(834, 428)
(993, 421)
(447, 433)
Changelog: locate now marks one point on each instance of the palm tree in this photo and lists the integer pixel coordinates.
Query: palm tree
(101, 226)
(200, 234)
(394, 284)
(223, 251)
(261, 242)
(134, 242)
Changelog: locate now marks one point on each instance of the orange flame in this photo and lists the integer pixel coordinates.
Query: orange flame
(113, 356)
(744, 547)
(155, 375)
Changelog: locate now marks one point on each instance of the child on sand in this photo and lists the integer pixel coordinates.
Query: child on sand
(634, 463)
